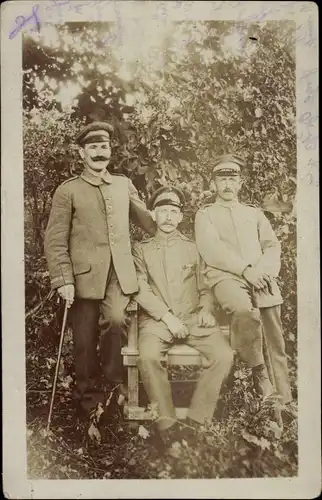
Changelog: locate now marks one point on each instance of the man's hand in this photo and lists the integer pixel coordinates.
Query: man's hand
(67, 292)
(268, 283)
(176, 327)
(258, 280)
(206, 319)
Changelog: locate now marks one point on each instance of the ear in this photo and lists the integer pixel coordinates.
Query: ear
(180, 217)
(152, 212)
(81, 152)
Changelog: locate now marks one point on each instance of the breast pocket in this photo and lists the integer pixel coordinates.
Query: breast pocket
(188, 270)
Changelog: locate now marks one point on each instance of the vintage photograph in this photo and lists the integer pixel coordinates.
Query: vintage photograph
(160, 254)
(160, 176)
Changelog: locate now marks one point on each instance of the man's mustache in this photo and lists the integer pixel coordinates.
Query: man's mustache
(99, 158)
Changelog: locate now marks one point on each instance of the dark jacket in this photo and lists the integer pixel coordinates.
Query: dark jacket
(88, 227)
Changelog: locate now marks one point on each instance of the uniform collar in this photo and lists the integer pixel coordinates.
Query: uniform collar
(163, 239)
(227, 204)
(96, 180)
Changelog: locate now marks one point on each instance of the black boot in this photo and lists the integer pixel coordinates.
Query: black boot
(111, 343)
(189, 430)
(161, 440)
(261, 381)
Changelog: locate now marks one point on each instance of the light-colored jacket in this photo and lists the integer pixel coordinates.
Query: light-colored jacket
(88, 227)
(170, 279)
(231, 238)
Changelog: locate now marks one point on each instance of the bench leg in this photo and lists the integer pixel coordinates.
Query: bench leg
(133, 390)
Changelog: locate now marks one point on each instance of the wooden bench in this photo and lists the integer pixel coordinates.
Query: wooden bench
(177, 355)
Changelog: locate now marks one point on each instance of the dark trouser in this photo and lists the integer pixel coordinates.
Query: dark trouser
(274, 351)
(100, 323)
(256, 334)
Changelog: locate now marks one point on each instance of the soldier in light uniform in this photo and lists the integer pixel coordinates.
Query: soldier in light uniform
(176, 306)
(242, 256)
(88, 250)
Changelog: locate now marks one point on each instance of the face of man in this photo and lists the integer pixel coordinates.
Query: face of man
(227, 186)
(167, 218)
(96, 155)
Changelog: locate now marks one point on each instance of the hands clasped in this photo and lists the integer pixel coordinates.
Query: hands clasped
(180, 331)
(260, 281)
(175, 325)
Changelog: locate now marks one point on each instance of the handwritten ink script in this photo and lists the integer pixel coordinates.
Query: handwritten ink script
(55, 11)
(308, 123)
(58, 8)
(33, 21)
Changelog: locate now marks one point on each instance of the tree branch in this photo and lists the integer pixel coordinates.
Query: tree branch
(40, 305)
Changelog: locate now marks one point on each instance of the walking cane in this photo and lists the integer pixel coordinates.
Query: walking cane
(62, 334)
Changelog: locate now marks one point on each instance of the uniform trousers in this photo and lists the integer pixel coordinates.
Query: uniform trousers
(211, 344)
(98, 323)
(256, 334)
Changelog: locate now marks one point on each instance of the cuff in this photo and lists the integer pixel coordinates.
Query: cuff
(160, 313)
(58, 282)
(207, 302)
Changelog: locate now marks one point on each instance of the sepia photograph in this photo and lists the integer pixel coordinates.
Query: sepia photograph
(160, 174)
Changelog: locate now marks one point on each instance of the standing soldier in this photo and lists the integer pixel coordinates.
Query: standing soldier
(88, 250)
(242, 256)
(176, 306)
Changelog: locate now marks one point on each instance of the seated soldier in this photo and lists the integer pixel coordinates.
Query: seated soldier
(176, 307)
(242, 261)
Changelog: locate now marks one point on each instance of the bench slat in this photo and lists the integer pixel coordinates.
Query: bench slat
(142, 413)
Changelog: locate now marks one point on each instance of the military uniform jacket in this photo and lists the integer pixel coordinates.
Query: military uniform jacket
(169, 275)
(229, 238)
(88, 227)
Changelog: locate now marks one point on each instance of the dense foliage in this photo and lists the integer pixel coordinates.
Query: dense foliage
(203, 89)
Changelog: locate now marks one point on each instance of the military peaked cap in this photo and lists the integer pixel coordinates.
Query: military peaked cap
(167, 195)
(235, 167)
(94, 132)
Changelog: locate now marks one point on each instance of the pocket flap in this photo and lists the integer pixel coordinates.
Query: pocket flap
(81, 268)
(189, 269)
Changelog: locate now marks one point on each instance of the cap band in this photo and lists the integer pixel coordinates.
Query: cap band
(167, 198)
(226, 172)
(167, 195)
(167, 201)
(95, 131)
(96, 137)
(228, 164)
